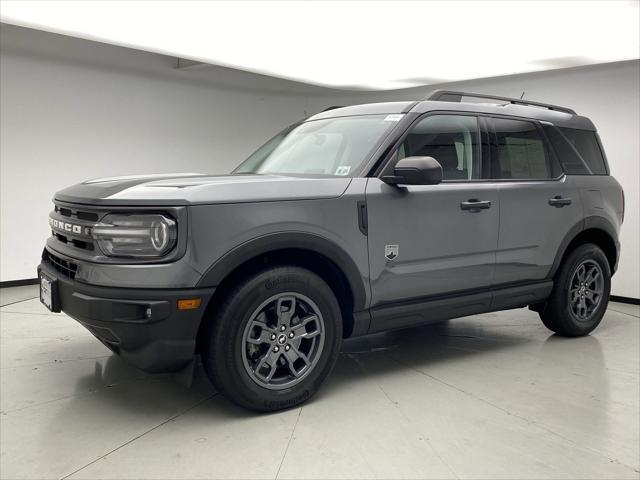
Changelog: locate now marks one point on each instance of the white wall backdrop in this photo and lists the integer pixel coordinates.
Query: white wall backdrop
(72, 110)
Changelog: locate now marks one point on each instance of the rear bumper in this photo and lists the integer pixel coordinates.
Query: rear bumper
(143, 326)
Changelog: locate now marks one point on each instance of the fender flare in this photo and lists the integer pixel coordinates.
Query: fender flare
(587, 223)
(250, 249)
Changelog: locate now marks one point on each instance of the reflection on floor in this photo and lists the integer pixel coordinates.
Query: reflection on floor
(492, 396)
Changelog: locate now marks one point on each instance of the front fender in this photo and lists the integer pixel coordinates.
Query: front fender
(248, 250)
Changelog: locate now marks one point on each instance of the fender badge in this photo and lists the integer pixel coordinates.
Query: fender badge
(391, 251)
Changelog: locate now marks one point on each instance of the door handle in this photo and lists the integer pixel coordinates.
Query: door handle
(559, 201)
(475, 205)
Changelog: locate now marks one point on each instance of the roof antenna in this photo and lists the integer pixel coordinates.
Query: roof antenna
(522, 96)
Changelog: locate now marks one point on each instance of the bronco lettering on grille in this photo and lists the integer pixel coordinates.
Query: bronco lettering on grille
(69, 227)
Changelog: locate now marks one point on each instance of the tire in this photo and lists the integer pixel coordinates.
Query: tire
(580, 317)
(243, 334)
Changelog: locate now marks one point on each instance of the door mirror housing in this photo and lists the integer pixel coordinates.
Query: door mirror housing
(415, 171)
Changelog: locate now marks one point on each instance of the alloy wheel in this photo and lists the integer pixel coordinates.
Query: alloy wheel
(586, 289)
(283, 340)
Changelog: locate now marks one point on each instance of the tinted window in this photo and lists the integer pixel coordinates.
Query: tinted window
(578, 150)
(520, 152)
(451, 139)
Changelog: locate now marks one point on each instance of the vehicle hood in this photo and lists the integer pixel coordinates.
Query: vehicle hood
(197, 189)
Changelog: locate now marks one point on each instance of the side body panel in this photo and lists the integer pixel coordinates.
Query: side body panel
(441, 248)
(601, 198)
(532, 229)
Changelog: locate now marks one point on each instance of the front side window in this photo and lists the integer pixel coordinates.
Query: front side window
(451, 139)
(520, 152)
(327, 147)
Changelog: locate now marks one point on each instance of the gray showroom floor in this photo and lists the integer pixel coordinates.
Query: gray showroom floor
(490, 396)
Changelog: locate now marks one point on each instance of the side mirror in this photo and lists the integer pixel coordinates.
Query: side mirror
(415, 171)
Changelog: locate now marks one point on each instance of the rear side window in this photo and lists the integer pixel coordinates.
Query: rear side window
(520, 152)
(579, 150)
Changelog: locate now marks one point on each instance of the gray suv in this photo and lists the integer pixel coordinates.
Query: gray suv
(357, 220)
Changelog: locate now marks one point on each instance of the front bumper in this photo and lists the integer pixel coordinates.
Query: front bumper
(143, 326)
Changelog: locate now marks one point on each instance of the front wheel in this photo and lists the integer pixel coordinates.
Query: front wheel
(580, 294)
(274, 339)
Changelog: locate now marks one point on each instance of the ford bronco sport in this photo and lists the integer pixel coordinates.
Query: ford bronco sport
(357, 220)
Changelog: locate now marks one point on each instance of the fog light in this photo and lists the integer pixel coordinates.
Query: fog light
(189, 303)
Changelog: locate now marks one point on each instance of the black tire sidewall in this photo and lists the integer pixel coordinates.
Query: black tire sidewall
(225, 357)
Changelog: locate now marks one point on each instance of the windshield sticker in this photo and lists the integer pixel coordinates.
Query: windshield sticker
(343, 170)
(395, 117)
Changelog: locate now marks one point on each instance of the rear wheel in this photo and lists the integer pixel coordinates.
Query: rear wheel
(274, 339)
(580, 294)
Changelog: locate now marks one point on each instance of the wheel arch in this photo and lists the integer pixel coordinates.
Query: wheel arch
(596, 230)
(313, 252)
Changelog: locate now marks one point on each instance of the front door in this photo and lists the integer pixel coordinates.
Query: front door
(429, 240)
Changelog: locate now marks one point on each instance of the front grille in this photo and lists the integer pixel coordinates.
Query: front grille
(72, 227)
(85, 245)
(66, 268)
(82, 215)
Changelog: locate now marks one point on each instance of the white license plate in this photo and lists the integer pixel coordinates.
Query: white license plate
(46, 292)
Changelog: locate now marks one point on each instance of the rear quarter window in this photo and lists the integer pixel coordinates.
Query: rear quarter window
(578, 150)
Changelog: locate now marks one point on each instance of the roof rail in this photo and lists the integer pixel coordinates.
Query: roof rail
(453, 96)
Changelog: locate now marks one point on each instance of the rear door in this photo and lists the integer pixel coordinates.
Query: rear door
(538, 203)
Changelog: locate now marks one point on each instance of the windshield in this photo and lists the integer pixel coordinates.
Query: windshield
(332, 146)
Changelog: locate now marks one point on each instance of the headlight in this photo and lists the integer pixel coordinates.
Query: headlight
(135, 235)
